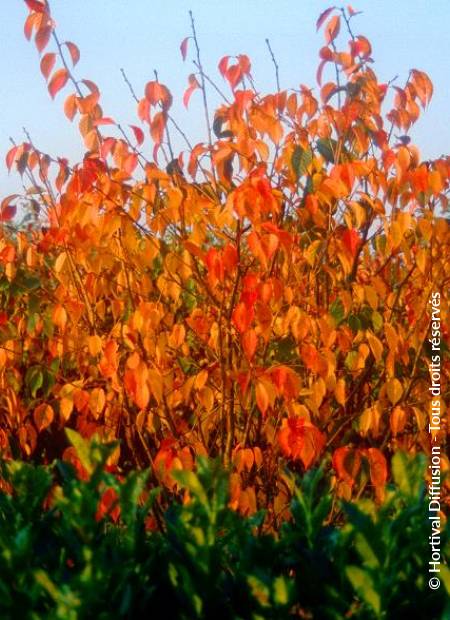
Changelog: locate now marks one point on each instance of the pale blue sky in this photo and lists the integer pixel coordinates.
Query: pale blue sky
(141, 35)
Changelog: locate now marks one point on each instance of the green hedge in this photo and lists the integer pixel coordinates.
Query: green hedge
(206, 561)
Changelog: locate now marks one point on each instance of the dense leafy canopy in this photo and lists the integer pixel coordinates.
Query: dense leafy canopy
(262, 296)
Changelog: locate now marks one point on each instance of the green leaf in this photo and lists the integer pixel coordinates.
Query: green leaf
(337, 311)
(34, 379)
(362, 582)
(354, 323)
(281, 590)
(300, 160)
(408, 473)
(445, 577)
(83, 448)
(30, 282)
(377, 321)
(350, 359)
(366, 551)
(327, 148)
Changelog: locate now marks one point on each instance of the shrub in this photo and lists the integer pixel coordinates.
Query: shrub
(205, 560)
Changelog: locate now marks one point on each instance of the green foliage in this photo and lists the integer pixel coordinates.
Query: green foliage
(206, 561)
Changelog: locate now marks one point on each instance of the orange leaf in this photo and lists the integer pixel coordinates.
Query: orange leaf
(47, 64)
(249, 343)
(262, 397)
(332, 29)
(73, 51)
(42, 37)
(193, 85)
(242, 317)
(378, 466)
(184, 47)
(43, 416)
(323, 16)
(58, 81)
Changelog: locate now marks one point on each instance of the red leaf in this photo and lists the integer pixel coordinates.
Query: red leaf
(10, 157)
(184, 47)
(157, 127)
(73, 51)
(223, 65)
(323, 16)
(58, 81)
(156, 92)
(47, 64)
(242, 317)
(35, 5)
(42, 37)
(138, 134)
(351, 240)
(249, 343)
(378, 466)
(193, 85)
(332, 29)
(7, 212)
(347, 463)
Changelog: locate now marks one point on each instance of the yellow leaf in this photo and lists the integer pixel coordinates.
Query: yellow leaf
(66, 407)
(156, 385)
(398, 420)
(421, 260)
(201, 379)
(371, 297)
(94, 345)
(394, 390)
(375, 345)
(59, 263)
(339, 392)
(43, 416)
(97, 401)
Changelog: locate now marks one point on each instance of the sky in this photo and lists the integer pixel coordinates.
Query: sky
(143, 35)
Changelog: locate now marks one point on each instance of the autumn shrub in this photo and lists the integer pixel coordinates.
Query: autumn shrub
(261, 296)
(78, 559)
